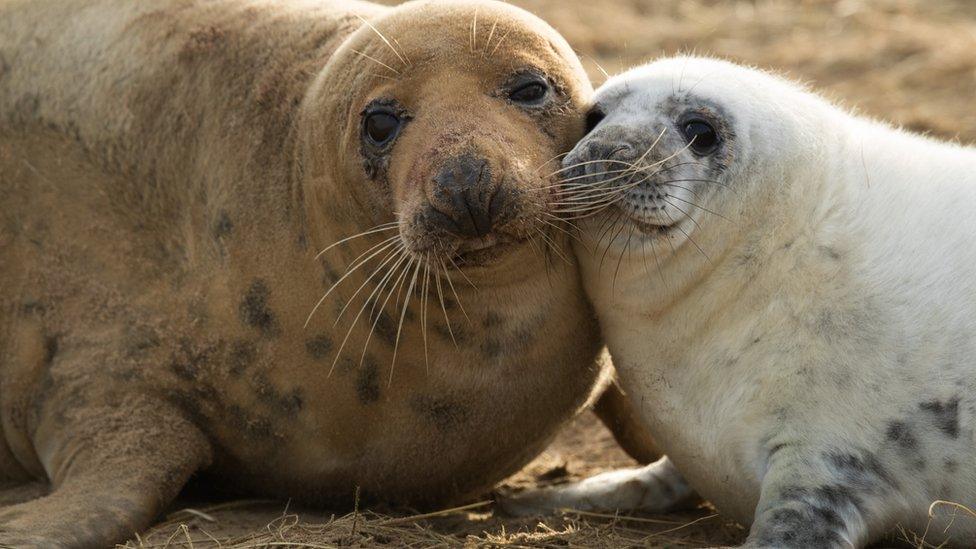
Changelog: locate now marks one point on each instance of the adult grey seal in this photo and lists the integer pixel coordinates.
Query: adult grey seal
(169, 171)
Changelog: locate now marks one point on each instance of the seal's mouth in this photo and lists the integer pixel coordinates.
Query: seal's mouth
(648, 227)
(485, 250)
(652, 229)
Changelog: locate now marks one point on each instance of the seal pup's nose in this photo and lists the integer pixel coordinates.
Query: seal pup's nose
(605, 151)
(465, 195)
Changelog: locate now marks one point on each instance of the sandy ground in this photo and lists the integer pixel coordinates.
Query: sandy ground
(907, 61)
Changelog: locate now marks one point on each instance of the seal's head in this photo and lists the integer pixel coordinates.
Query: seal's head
(450, 124)
(677, 143)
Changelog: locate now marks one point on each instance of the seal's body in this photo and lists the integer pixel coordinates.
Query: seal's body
(794, 310)
(169, 171)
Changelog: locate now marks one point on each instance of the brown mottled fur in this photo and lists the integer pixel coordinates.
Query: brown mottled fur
(168, 170)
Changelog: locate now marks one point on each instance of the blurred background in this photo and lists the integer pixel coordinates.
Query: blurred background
(910, 62)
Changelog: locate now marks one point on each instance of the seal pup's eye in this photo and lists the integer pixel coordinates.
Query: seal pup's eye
(702, 137)
(531, 93)
(380, 128)
(593, 118)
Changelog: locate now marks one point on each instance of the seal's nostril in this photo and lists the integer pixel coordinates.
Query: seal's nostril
(623, 151)
(463, 192)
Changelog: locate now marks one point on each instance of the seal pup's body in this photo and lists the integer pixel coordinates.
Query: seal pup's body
(790, 301)
(168, 172)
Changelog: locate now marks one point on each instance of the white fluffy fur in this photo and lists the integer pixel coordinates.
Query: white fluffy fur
(820, 359)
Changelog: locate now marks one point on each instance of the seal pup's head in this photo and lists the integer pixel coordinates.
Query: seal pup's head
(447, 120)
(687, 151)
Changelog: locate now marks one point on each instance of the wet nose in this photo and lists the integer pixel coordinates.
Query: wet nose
(465, 197)
(612, 153)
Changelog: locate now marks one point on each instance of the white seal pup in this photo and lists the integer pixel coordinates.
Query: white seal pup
(790, 300)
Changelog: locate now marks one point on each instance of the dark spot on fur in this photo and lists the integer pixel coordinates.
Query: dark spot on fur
(189, 404)
(901, 434)
(951, 465)
(491, 320)
(460, 334)
(830, 252)
(51, 346)
(287, 404)
(254, 309)
(445, 415)
(223, 225)
(139, 339)
(32, 307)
(345, 365)
(491, 348)
(368, 382)
(523, 337)
(824, 502)
(201, 42)
(189, 359)
(319, 347)
(386, 327)
(945, 415)
(254, 427)
(788, 527)
(241, 356)
(859, 472)
(329, 276)
(184, 369)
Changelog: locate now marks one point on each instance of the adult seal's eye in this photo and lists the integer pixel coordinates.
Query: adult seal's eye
(701, 136)
(529, 94)
(380, 128)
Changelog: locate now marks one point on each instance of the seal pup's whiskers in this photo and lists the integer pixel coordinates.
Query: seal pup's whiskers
(702, 208)
(546, 163)
(552, 246)
(587, 163)
(557, 227)
(616, 271)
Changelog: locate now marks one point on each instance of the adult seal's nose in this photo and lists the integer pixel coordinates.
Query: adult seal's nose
(463, 193)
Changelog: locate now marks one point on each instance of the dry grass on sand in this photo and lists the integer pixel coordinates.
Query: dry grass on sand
(907, 61)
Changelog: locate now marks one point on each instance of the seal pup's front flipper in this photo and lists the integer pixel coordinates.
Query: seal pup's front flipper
(654, 488)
